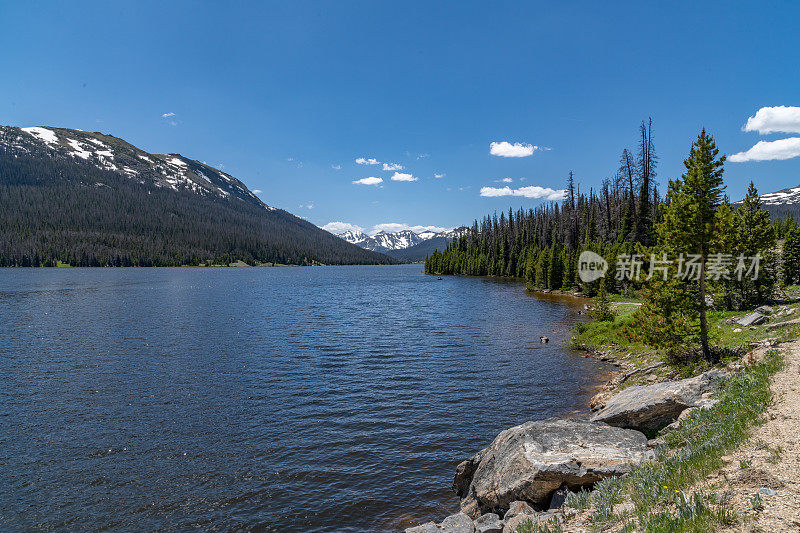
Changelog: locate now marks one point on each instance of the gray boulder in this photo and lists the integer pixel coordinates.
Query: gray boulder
(488, 523)
(753, 319)
(457, 523)
(531, 461)
(652, 407)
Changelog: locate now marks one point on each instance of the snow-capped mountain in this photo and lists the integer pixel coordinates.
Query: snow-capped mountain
(392, 241)
(781, 203)
(168, 171)
(783, 197)
(399, 240)
(91, 199)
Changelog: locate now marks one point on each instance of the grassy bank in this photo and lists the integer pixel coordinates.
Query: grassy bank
(617, 340)
(654, 497)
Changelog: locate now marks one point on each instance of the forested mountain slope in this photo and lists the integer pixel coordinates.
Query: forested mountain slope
(90, 199)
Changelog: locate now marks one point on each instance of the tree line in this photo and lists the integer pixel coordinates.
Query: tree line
(627, 220)
(54, 210)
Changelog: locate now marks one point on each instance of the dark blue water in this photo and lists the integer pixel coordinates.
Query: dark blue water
(275, 399)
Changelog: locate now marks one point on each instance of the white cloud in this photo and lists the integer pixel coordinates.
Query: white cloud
(368, 181)
(399, 176)
(531, 191)
(781, 119)
(506, 149)
(170, 118)
(309, 205)
(423, 156)
(392, 166)
(336, 167)
(769, 150)
(341, 227)
(392, 227)
(370, 161)
(290, 159)
(257, 191)
(439, 175)
(504, 180)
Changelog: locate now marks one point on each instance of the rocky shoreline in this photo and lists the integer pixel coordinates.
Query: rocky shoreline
(528, 471)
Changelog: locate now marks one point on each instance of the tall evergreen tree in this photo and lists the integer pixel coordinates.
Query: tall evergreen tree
(689, 224)
(754, 235)
(791, 257)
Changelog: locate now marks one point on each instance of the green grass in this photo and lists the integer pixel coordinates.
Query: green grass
(551, 526)
(611, 339)
(607, 338)
(658, 488)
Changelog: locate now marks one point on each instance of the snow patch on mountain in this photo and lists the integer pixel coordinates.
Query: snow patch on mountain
(111, 154)
(782, 197)
(43, 134)
(78, 149)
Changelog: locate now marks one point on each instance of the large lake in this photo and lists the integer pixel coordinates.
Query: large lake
(275, 399)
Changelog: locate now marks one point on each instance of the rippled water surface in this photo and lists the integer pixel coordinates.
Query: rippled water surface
(275, 399)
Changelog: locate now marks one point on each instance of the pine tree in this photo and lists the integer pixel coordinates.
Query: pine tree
(602, 306)
(753, 234)
(689, 219)
(791, 257)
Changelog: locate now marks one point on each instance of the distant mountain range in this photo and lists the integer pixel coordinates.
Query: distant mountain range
(782, 203)
(92, 199)
(404, 245)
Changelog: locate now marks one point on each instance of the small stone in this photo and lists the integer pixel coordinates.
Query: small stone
(767, 491)
(622, 508)
(518, 507)
(737, 330)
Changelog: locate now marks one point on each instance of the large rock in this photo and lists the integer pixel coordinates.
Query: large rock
(753, 319)
(652, 407)
(531, 461)
(488, 523)
(457, 523)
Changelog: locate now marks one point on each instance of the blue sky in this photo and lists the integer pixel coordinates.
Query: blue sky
(286, 96)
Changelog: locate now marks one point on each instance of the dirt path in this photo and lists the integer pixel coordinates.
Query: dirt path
(767, 467)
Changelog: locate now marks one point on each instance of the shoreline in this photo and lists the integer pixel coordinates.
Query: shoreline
(651, 372)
